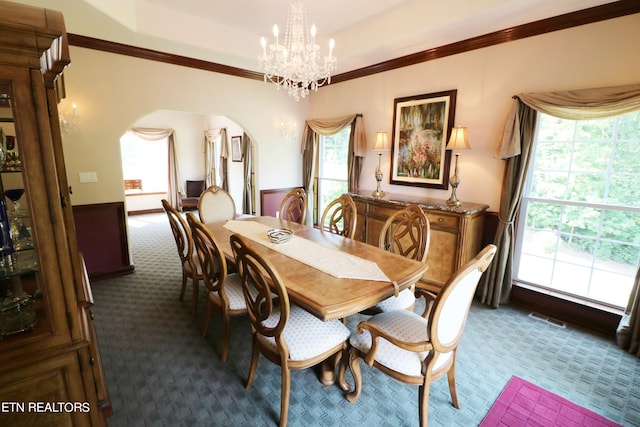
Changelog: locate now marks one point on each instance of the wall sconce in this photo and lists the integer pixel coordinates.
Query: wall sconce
(459, 140)
(69, 122)
(288, 132)
(380, 147)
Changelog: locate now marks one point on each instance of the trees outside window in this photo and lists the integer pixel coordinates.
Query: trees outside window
(579, 224)
(332, 168)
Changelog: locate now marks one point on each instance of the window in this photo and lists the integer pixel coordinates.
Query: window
(146, 161)
(579, 223)
(333, 171)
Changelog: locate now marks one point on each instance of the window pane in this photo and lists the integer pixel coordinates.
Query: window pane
(595, 130)
(579, 220)
(629, 127)
(626, 158)
(554, 129)
(145, 160)
(587, 187)
(334, 156)
(591, 156)
(581, 233)
(332, 168)
(553, 156)
(624, 190)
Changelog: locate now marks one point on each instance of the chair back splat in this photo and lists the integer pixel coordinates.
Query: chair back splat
(414, 349)
(294, 206)
(216, 205)
(406, 233)
(340, 216)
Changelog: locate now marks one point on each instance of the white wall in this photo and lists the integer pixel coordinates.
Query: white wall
(113, 92)
(595, 55)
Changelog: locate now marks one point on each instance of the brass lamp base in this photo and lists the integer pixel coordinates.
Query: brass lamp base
(378, 194)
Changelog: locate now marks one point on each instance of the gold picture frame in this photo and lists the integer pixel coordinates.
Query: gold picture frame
(421, 128)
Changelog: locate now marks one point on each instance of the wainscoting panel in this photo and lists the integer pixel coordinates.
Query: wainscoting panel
(102, 239)
(270, 200)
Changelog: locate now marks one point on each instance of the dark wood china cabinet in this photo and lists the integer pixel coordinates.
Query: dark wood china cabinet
(50, 367)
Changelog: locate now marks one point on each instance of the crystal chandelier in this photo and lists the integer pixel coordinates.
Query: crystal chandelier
(297, 64)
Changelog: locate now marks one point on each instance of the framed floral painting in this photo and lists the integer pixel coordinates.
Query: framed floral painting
(421, 127)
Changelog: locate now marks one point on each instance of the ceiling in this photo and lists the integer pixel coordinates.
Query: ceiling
(366, 32)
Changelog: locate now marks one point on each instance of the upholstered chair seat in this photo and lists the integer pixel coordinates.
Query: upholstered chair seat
(306, 335)
(405, 326)
(233, 289)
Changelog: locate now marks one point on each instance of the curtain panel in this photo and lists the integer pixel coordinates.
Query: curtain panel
(515, 148)
(247, 196)
(215, 158)
(310, 140)
(175, 182)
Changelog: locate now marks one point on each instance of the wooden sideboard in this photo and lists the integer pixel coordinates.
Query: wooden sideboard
(456, 232)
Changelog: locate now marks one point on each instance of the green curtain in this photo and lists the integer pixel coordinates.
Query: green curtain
(515, 148)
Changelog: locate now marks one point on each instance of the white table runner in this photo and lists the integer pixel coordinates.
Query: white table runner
(336, 263)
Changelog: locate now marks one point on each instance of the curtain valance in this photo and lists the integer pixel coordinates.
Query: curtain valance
(584, 104)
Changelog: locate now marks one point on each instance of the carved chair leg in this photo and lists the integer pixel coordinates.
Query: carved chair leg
(423, 403)
(255, 356)
(184, 284)
(225, 336)
(451, 376)
(196, 289)
(354, 364)
(284, 398)
(207, 319)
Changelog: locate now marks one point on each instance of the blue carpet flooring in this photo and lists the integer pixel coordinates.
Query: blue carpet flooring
(160, 372)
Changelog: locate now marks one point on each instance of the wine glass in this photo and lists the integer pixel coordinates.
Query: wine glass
(14, 195)
(19, 232)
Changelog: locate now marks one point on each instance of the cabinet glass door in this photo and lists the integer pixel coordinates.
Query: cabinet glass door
(20, 294)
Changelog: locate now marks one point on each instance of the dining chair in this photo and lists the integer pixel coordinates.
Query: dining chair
(224, 291)
(285, 334)
(216, 205)
(294, 206)
(418, 349)
(186, 251)
(406, 233)
(340, 217)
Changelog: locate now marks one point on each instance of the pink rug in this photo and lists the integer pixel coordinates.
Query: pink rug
(524, 404)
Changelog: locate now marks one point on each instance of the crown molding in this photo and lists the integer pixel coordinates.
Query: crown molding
(155, 55)
(556, 23)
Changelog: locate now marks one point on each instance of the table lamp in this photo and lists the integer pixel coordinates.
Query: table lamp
(459, 140)
(380, 147)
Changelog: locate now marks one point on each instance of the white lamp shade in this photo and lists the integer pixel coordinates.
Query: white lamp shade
(459, 139)
(381, 141)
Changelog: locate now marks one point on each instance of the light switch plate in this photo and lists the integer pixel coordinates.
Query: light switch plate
(87, 177)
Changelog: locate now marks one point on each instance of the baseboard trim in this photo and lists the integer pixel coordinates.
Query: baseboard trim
(571, 312)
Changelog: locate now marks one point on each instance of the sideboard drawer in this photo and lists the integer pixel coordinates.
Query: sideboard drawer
(438, 220)
(382, 211)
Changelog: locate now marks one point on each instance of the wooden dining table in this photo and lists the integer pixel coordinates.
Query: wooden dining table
(322, 294)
